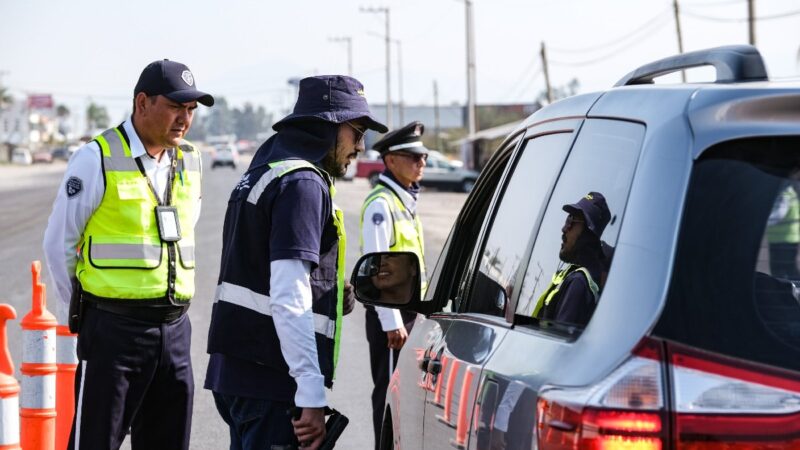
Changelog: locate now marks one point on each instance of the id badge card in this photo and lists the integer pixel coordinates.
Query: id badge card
(168, 226)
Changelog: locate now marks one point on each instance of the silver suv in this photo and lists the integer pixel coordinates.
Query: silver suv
(691, 337)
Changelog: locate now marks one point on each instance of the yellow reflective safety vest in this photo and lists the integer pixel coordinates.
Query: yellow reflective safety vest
(407, 229)
(281, 168)
(121, 255)
(787, 229)
(555, 285)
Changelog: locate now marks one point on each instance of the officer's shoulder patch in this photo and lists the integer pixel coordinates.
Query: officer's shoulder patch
(74, 186)
(377, 218)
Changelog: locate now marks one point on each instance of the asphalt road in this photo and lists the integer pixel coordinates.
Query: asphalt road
(26, 196)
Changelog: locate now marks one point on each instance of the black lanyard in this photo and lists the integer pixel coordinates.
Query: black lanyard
(170, 178)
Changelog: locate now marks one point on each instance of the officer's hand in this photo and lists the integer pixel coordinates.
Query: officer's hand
(310, 428)
(349, 299)
(397, 337)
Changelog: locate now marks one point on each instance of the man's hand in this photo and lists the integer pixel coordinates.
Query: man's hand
(349, 299)
(310, 428)
(397, 337)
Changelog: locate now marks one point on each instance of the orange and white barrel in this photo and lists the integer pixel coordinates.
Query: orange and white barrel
(66, 364)
(9, 388)
(38, 401)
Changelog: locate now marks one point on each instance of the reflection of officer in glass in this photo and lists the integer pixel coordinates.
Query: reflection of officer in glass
(783, 235)
(394, 278)
(573, 293)
(389, 222)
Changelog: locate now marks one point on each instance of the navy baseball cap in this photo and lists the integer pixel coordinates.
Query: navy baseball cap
(407, 139)
(172, 80)
(332, 98)
(595, 210)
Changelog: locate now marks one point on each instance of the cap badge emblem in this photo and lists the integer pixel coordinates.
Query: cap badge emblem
(187, 77)
(360, 92)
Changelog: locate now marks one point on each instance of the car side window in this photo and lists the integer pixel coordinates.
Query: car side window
(445, 280)
(572, 254)
(515, 216)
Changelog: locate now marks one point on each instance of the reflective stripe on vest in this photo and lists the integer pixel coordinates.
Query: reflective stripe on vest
(259, 303)
(121, 238)
(407, 229)
(787, 229)
(277, 170)
(555, 285)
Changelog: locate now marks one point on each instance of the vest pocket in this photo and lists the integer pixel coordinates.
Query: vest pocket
(186, 254)
(124, 255)
(132, 190)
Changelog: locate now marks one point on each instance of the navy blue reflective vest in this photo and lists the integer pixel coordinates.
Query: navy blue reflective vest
(241, 323)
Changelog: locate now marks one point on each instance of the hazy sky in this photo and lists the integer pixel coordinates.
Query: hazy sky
(247, 50)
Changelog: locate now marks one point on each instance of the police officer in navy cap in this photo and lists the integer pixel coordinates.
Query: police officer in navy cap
(129, 203)
(575, 289)
(281, 294)
(389, 222)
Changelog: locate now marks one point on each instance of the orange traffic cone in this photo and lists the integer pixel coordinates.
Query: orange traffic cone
(38, 402)
(9, 388)
(67, 364)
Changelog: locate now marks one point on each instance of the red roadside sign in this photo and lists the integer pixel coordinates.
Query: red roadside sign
(40, 101)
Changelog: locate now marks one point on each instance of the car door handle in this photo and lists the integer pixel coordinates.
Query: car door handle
(423, 365)
(434, 367)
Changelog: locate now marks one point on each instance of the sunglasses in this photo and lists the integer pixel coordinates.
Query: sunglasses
(417, 157)
(359, 132)
(572, 220)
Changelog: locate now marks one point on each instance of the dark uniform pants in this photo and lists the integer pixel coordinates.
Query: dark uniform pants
(256, 424)
(379, 364)
(132, 374)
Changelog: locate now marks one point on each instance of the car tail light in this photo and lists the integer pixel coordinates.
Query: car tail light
(623, 411)
(722, 403)
(717, 403)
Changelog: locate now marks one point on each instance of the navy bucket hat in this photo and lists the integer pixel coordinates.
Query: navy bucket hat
(595, 210)
(332, 98)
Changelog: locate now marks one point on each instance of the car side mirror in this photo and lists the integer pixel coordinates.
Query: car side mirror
(388, 279)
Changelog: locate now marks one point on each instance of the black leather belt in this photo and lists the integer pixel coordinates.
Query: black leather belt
(147, 313)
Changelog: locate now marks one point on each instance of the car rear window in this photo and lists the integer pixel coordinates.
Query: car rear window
(734, 287)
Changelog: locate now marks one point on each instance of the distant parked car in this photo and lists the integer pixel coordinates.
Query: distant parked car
(42, 156)
(441, 173)
(225, 155)
(61, 153)
(21, 155)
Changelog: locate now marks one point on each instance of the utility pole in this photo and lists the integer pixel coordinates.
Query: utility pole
(385, 11)
(472, 119)
(436, 126)
(549, 90)
(401, 104)
(680, 36)
(349, 41)
(751, 20)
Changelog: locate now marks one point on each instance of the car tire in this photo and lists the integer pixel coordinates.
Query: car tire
(467, 185)
(373, 178)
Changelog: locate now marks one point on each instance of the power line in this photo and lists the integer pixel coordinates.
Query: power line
(712, 3)
(739, 20)
(609, 54)
(661, 15)
(523, 76)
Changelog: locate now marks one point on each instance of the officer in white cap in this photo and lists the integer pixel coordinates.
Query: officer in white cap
(389, 222)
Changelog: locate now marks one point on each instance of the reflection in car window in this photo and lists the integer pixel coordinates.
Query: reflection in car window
(460, 243)
(572, 254)
(525, 194)
(734, 287)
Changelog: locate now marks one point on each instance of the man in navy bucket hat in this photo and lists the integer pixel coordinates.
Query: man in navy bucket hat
(575, 289)
(281, 294)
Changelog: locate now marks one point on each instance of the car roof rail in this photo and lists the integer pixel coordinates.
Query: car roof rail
(732, 62)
